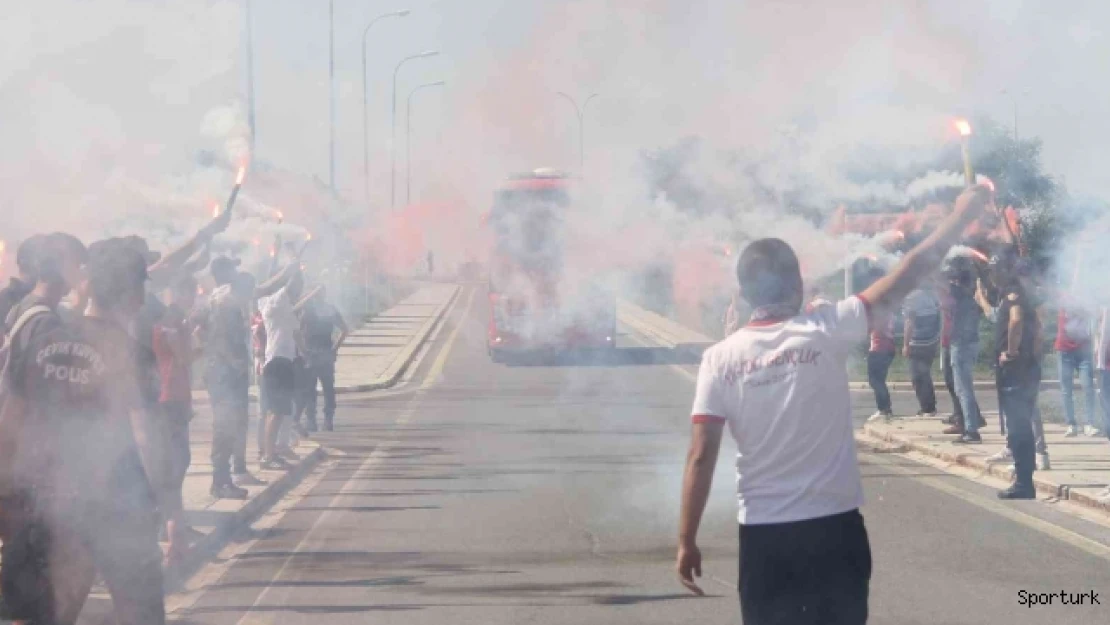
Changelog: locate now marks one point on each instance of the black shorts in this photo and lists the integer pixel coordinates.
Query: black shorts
(812, 571)
(279, 382)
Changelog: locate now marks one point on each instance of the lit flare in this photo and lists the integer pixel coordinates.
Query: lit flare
(240, 176)
(963, 127)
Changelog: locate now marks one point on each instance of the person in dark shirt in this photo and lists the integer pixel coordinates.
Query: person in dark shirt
(1018, 373)
(27, 587)
(320, 323)
(20, 286)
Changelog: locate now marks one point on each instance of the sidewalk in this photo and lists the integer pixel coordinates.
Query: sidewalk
(376, 355)
(661, 330)
(219, 519)
(1080, 465)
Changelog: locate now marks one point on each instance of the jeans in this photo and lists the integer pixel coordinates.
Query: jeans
(878, 364)
(1070, 363)
(1017, 399)
(921, 365)
(950, 384)
(230, 405)
(325, 373)
(963, 359)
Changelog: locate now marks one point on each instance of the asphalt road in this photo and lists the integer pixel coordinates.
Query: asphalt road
(492, 494)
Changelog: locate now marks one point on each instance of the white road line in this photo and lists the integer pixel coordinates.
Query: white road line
(374, 458)
(360, 474)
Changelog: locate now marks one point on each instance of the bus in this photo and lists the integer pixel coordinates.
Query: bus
(541, 299)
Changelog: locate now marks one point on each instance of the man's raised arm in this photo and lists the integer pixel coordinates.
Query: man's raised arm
(922, 260)
(165, 267)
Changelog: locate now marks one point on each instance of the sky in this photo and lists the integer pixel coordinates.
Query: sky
(121, 114)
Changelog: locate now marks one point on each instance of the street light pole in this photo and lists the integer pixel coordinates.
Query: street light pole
(580, 112)
(393, 126)
(1013, 101)
(408, 137)
(249, 36)
(365, 105)
(331, 95)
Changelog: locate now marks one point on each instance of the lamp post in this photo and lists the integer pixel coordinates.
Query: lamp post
(249, 38)
(408, 137)
(365, 105)
(580, 112)
(393, 126)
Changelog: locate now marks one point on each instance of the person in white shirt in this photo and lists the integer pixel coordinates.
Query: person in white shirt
(279, 380)
(780, 385)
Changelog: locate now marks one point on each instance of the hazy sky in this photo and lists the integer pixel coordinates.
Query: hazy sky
(103, 96)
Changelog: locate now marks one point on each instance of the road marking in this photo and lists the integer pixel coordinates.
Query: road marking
(1074, 539)
(441, 360)
(375, 457)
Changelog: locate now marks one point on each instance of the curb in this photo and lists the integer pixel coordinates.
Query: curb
(401, 363)
(202, 552)
(970, 461)
(980, 385)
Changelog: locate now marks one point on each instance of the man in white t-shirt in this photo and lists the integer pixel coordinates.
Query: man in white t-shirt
(279, 379)
(780, 384)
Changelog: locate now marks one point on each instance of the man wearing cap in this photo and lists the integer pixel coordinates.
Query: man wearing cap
(19, 286)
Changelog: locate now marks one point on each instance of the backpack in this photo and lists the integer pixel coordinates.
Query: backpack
(22, 320)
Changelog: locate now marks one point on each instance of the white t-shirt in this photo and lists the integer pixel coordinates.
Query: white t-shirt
(281, 325)
(782, 387)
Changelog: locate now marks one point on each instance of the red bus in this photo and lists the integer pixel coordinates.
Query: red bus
(540, 299)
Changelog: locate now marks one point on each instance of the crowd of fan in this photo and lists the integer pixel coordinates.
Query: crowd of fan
(945, 317)
(100, 343)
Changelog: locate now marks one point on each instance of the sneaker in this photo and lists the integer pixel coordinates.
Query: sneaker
(1003, 456)
(1043, 463)
(954, 429)
(1018, 491)
(1092, 431)
(928, 415)
(287, 453)
(328, 426)
(969, 438)
(300, 429)
(1071, 432)
(277, 463)
(228, 491)
(880, 416)
(246, 479)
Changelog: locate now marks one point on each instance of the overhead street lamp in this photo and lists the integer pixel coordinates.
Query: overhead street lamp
(580, 111)
(365, 107)
(408, 137)
(393, 126)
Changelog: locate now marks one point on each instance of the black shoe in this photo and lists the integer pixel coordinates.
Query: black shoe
(1018, 491)
(969, 438)
(228, 491)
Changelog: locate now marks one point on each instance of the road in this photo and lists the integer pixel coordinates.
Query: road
(490, 494)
